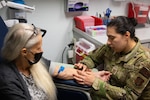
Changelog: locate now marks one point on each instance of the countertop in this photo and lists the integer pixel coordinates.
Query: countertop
(142, 33)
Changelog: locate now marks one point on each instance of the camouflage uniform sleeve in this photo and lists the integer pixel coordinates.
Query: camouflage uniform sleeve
(137, 87)
(95, 57)
(105, 90)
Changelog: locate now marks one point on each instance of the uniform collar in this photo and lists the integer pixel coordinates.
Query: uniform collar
(131, 54)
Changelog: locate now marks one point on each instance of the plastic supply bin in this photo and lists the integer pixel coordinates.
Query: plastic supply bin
(139, 11)
(82, 48)
(96, 30)
(98, 21)
(83, 21)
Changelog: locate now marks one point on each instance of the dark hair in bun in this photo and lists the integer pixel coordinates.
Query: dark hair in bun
(123, 24)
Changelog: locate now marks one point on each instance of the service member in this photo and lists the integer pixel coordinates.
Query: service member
(125, 58)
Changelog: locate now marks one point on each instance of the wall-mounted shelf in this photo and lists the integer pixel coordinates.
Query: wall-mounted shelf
(4, 3)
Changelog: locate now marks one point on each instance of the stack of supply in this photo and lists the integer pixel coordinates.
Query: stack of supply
(96, 30)
(83, 21)
(82, 48)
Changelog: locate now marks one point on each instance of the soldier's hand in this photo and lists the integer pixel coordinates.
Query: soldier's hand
(103, 75)
(82, 67)
(86, 78)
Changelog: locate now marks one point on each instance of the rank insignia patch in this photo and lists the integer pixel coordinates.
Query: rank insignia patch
(139, 81)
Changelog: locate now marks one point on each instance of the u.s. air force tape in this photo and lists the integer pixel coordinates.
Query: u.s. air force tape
(145, 72)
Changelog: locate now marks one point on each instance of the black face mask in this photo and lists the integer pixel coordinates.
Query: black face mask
(37, 57)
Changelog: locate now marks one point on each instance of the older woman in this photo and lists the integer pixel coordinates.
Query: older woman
(22, 75)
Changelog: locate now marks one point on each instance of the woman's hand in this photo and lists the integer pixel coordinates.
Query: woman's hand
(67, 73)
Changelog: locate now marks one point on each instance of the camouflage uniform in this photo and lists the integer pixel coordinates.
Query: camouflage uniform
(130, 73)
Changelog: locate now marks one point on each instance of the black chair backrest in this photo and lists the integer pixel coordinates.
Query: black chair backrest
(70, 90)
(3, 31)
(69, 94)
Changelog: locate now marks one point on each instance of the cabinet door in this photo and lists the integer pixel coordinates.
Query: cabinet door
(146, 45)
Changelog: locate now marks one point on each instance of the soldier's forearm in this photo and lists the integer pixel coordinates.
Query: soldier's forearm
(111, 92)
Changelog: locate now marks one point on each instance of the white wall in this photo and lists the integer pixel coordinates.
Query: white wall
(50, 15)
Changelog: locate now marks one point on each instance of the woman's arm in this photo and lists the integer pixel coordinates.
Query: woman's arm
(62, 71)
(12, 91)
(12, 86)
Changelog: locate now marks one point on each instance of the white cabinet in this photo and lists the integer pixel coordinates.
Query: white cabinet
(80, 34)
(144, 35)
(146, 44)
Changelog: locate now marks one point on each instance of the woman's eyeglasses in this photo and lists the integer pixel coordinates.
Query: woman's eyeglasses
(35, 33)
(42, 30)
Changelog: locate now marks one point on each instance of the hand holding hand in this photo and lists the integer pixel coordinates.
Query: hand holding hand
(84, 77)
(82, 67)
(88, 78)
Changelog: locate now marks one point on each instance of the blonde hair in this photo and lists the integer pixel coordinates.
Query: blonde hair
(43, 79)
(16, 39)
